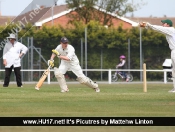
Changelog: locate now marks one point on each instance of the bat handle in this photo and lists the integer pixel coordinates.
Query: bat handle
(49, 67)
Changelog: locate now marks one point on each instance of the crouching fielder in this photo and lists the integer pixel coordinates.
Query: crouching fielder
(69, 61)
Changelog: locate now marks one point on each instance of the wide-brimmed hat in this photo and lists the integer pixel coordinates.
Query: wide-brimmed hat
(12, 36)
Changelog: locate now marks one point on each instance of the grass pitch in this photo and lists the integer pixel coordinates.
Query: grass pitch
(114, 100)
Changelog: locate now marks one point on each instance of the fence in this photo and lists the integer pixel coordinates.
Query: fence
(100, 70)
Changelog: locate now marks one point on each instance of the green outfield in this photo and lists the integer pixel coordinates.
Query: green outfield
(114, 100)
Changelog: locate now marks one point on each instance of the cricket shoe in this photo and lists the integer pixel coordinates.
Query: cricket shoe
(63, 91)
(36, 88)
(97, 90)
(172, 91)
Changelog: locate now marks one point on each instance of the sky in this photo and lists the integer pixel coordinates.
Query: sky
(154, 8)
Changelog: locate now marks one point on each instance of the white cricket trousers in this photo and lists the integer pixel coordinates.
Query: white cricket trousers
(75, 68)
(173, 64)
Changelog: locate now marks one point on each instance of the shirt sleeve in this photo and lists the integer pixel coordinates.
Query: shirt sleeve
(5, 52)
(58, 48)
(71, 53)
(24, 49)
(121, 64)
(161, 29)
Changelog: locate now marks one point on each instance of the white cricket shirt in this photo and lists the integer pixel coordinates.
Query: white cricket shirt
(169, 32)
(11, 53)
(69, 52)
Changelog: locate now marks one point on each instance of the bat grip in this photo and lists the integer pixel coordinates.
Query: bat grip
(49, 67)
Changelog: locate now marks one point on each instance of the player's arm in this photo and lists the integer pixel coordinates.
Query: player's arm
(69, 56)
(51, 61)
(56, 53)
(64, 58)
(161, 29)
(52, 56)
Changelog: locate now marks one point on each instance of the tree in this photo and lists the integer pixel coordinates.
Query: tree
(99, 10)
(83, 8)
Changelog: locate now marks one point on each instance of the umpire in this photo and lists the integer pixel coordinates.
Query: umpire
(12, 53)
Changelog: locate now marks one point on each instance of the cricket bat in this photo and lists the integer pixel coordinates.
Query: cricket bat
(42, 79)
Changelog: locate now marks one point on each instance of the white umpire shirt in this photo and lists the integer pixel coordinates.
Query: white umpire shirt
(11, 53)
(70, 53)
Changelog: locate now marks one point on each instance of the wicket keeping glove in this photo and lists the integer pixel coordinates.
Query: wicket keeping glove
(51, 63)
(56, 52)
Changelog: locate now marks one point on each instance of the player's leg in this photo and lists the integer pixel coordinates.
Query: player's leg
(88, 82)
(17, 71)
(173, 70)
(173, 78)
(8, 72)
(76, 69)
(59, 74)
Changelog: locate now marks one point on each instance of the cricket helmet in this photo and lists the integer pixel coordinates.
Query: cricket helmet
(64, 40)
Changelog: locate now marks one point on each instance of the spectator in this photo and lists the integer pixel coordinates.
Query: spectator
(122, 65)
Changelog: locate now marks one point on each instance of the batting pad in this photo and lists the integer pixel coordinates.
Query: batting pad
(88, 82)
(61, 79)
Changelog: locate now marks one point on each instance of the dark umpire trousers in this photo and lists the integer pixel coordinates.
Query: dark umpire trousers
(8, 71)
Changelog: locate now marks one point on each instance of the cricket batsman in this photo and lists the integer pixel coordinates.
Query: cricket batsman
(69, 61)
(169, 31)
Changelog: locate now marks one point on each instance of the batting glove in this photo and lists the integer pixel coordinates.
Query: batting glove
(143, 24)
(51, 63)
(56, 52)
